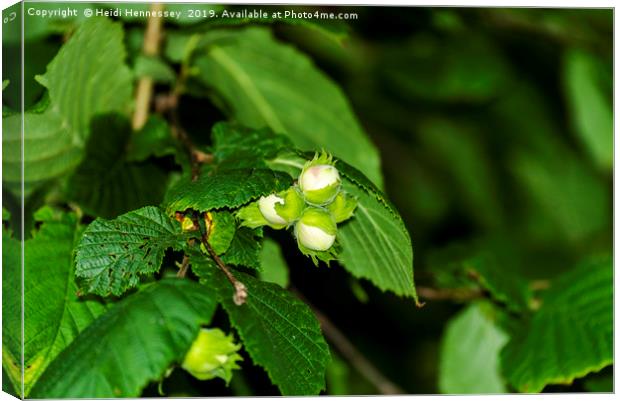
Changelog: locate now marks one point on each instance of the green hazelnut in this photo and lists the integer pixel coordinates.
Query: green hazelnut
(319, 183)
(212, 354)
(266, 205)
(316, 229)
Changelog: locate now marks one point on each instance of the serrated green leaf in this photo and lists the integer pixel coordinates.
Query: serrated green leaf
(132, 344)
(571, 334)
(591, 105)
(268, 83)
(112, 254)
(469, 356)
(215, 188)
(245, 248)
(102, 84)
(5, 83)
(105, 184)
(53, 314)
(234, 142)
(375, 243)
(274, 268)
(278, 331)
(155, 69)
(99, 82)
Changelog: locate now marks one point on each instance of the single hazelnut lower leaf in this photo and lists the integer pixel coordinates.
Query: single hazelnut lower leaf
(212, 354)
(280, 332)
(144, 333)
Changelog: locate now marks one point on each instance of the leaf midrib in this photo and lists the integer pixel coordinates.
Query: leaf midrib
(245, 82)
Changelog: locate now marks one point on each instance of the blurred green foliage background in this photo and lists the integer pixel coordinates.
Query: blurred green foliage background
(495, 130)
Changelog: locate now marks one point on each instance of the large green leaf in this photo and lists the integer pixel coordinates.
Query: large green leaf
(88, 76)
(233, 143)
(49, 150)
(375, 243)
(571, 334)
(133, 343)
(469, 357)
(591, 105)
(269, 84)
(112, 254)
(54, 314)
(215, 188)
(94, 60)
(105, 184)
(279, 331)
(273, 265)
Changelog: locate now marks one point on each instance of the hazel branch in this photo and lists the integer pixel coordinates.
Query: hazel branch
(144, 92)
(184, 266)
(241, 291)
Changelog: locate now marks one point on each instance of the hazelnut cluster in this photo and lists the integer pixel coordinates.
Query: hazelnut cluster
(313, 206)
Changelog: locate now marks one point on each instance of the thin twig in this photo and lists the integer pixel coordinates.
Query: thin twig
(352, 354)
(144, 92)
(241, 291)
(537, 285)
(449, 294)
(167, 103)
(184, 265)
(196, 156)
